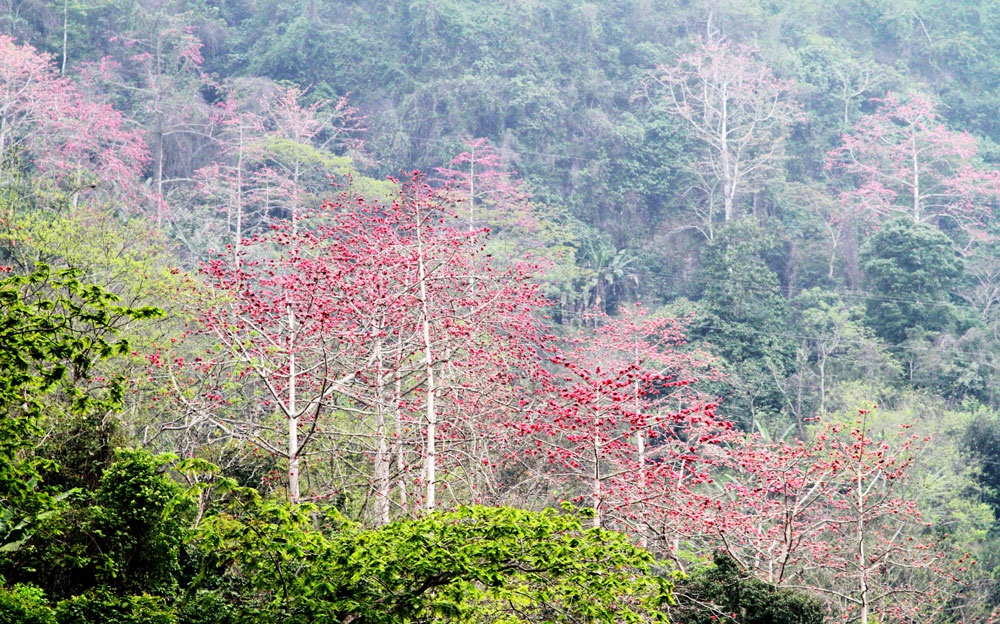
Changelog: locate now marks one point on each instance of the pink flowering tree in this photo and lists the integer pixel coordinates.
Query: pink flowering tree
(738, 112)
(905, 161)
(489, 194)
(275, 157)
(830, 514)
(301, 148)
(74, 142)
(154, 63)
(625, 429)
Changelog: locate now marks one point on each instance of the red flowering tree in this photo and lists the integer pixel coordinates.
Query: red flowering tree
(829, 515)
(375, 330)
(625, 429)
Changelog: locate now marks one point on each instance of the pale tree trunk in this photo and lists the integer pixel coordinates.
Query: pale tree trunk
(834, 245)
(400, 458)
(861, 482)
(65, 45)
(847, 106)
(916, 180)
(238, 234)
(74, 197)
(677, 538)
(787, 546)
(295, 184)
(430, 414)
(382, 456)
(382, 461)
(822, 381)
(159, 131)
(728, 183)
(3, 144)
(472, 188)
(640, 444)
(159, 175)
(640, 447)
(862, 557)
(595, 489)
(293, 420)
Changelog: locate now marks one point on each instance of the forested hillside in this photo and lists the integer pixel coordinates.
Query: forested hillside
(508, 311)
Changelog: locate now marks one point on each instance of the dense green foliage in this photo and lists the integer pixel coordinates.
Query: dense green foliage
(53, 330)
(912, 268)
(123, 538)
(743, 316)
(24, 604)
(725, 592)
(105, 607)
(474, 564)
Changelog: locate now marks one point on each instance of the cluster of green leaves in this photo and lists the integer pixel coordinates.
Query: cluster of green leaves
(122, 538)
(474, 564)
(911, 269)
(53, 330)
(724, 592)
(742, 314)
(117, 557)
(24, 604)
(111, 555)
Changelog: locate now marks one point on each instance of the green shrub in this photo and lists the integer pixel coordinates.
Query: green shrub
(104, 608)
(24, 604)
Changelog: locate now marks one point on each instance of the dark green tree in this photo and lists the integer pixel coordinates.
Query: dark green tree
(53, 332)
(982, 441)
(910, 270)
(726, 593)
(125, 538)
(743, 316)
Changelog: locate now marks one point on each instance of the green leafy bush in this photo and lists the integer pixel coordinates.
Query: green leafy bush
(474, 564)
(124, 538)
(104, 608)
(724, 592)
(24, 604)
